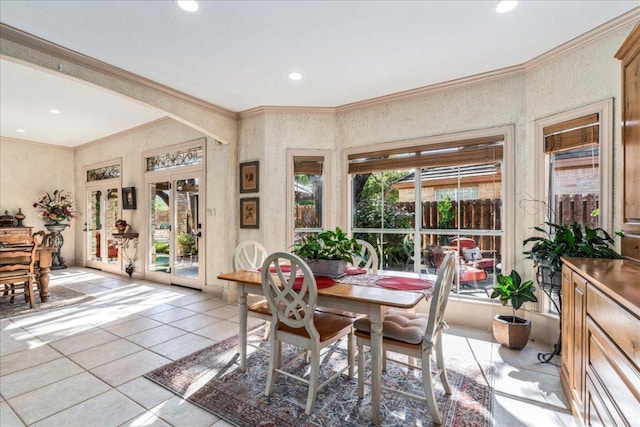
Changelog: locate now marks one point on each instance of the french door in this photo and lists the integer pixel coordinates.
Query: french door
(102, 201)
(174, 215)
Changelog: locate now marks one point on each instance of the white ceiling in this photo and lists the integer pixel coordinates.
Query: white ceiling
(237, 54)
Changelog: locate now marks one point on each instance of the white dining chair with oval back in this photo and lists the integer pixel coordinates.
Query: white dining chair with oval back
(292, 299)
(417, 336)
(248, 256)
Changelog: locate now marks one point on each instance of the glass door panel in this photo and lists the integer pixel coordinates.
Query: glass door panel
(186, 220)
(174, 211)
(103, 207)
(159, 227)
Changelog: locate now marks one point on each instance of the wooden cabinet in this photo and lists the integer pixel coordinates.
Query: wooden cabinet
(16, 230)
(574, 305)
(629, 54)
(600, 371)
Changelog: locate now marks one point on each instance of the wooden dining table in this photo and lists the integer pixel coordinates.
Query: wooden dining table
(368, 300)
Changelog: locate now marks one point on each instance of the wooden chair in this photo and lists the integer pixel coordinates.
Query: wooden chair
(292, 299)
(17, 259)
(249, 255)
(45, 240)
(415, 335)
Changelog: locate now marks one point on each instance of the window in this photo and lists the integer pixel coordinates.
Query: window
(416, 202)
(468, 193)
(573, 156)
(575, 149)
(308, 171)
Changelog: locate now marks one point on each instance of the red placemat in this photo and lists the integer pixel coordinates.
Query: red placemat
(321, 281)
(355, 270)
(404, 283)
(284, 268)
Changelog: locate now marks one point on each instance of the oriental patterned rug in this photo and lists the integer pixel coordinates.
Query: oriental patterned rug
(59, 296)
(211, 379)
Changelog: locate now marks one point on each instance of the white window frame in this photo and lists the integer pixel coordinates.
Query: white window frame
(604, 109)
(508, 180)
(326, 173)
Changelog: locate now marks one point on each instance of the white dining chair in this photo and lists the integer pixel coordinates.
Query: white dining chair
(414, 335)
(292, 299)
(248, 256)
(367, 257)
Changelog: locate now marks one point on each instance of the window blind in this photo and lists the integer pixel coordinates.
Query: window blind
(311, 165)
(572, 134)
(454, 153)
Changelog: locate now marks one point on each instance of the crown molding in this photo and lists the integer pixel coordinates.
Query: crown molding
(630, 18)
(267, 109)
(123, 133)
(36, 143)
(452, 84)
(40, 45)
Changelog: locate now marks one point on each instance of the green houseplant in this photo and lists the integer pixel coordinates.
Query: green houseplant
(566, 241)
(327, 252)
(186, 242)
(512, 331)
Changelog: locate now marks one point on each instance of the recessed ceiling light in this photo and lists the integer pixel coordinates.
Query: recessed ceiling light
(505, 6)
(54, 111)
(20, 130)
(188, 5)
(295, 76)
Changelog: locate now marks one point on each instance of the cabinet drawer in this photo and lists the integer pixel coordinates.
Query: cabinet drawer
(614, 375)
(621, 326)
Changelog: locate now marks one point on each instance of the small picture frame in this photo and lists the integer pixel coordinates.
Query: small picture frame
(250, 177)
(250, 212)
(129, 198)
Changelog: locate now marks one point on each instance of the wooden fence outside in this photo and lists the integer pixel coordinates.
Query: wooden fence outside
(570, 208)
(306, 216)
(476, 214)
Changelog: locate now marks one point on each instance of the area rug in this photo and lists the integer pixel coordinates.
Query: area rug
(59, 296)
(211, 379)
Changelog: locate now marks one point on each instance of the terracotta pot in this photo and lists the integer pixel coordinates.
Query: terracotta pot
(513, 335)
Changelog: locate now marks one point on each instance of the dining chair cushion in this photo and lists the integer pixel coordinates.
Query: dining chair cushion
(328, 326)
(261, 307)
(405, 327)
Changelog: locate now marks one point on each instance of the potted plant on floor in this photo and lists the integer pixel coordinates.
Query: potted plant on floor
(511, 331)
(327, 252)
(186, 242)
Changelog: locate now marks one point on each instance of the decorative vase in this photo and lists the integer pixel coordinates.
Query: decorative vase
(19, 217)
(58, 261)
(511, 332)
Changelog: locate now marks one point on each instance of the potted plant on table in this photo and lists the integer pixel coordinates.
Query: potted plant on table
(512, 331)
(327, 252)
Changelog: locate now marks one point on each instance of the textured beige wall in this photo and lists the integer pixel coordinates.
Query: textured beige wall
(580, 77)
(220, 166)
(27, 170)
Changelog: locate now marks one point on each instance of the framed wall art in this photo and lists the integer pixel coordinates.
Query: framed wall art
(129, 198)
(250, 177)
(250, 212)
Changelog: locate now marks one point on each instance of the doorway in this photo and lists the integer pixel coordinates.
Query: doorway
(174, 212)
(102, 204)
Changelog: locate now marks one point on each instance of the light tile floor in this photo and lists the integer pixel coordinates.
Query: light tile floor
(82, 365)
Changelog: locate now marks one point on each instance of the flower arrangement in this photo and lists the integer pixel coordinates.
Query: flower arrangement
(56, 208)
